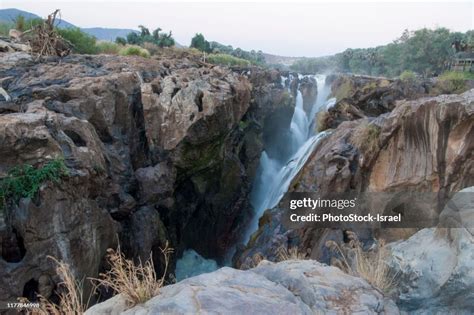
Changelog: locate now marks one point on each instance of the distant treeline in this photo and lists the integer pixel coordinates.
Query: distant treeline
(425, 51)
(199, 42)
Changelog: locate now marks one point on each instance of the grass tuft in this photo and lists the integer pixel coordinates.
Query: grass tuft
(369, 265)
(137, 283)
(70, 294)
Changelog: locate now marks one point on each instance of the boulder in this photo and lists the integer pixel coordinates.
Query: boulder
(309, 91)
(289, 287)
(434, 266)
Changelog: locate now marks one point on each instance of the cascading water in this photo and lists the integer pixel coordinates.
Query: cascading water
(273, 176)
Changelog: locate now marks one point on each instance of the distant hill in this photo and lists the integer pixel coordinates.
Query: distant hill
(9, 16)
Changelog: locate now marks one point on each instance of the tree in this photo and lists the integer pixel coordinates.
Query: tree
(121, 41)
(199, 42)
(133, 39)
(83, 43)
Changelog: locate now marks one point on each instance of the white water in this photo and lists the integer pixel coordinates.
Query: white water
(273, 177)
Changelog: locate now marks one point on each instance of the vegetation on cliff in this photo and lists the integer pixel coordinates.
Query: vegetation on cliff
(25, 181)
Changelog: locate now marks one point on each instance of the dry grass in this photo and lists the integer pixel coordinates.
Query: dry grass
(136, 283)
(290, 254)
(70, 293)
(369, 265)
(366, 137)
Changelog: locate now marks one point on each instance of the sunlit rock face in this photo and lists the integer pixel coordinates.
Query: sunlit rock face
(157, 149)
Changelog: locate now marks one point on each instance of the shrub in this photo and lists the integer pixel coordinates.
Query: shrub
(5, 28)
(82, 43)
(451, 82)
(408, 76)
(369, 265)
(71, 299)
(366, 137)
(199, 42)
(227, 60)
(134, 51)
(121, 41)
(25, 181)
(136, 283)
(107, 48)
(323, 121)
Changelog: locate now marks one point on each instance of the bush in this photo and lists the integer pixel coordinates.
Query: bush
(83, 43)
(227, 60)
(71, 300)
(137, 283)
(366, 137)
(323, 121)
(199, 42)
(408, 76)
(25, 181)
(134, 51)
(121, 41)
(5, 28)
(369, 265)
(108, 48)
(451, 82)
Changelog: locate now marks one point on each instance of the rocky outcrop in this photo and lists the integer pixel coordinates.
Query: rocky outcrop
(157, 149)
(309, 91)
(361, 96)
(434, 266)
(423, 145)
(290, 287)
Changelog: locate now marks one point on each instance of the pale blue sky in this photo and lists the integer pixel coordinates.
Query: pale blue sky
(286, 28)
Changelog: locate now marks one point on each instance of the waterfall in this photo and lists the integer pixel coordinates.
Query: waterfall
(273, 176)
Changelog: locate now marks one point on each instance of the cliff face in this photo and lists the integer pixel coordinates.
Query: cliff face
(156, 150)
(423, 145)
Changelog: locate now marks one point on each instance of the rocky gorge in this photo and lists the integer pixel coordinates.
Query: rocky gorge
(168, 149)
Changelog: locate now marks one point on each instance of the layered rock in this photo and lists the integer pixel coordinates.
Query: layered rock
(360, 97)
(423, 145)
(156, 150)
(289, 287)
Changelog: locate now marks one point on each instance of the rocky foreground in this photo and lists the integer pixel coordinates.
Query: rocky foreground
(290, 287)
(156, 150)
(432, 271)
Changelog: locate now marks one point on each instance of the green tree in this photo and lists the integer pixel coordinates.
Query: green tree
(133, 39)
(199, 42)
(121, 41)
(82, 43)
